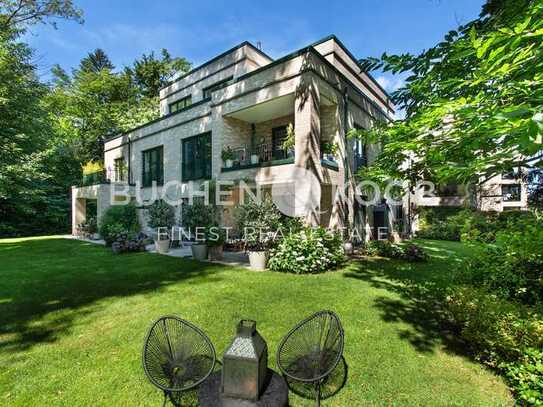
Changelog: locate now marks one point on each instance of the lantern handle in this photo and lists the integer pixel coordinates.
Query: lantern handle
(246, 327)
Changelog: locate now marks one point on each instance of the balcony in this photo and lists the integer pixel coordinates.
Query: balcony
(262, 155)
(104, 177)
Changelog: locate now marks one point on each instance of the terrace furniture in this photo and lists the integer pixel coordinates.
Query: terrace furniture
(311, 351)
(177, 356)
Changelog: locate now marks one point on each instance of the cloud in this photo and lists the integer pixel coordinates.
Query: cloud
(390, 84)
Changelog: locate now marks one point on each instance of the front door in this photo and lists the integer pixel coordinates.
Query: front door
(378, 222)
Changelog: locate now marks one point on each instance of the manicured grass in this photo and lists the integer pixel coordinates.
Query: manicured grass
(73, 318)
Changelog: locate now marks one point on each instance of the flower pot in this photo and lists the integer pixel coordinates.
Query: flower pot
(348, 248)
(199, 251)
(258, 260)
(254, 159)
(215, 252)
(228, 163)
(162, 246)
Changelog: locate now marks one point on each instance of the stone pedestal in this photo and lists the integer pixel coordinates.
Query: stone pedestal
(274, 395)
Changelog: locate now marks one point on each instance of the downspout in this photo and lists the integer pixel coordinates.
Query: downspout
(345, 158)
(129, 159)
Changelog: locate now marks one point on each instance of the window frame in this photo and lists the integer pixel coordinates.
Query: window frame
(514, 197)
(217, 85)
(204, 162)
(147, 181)
(119, 169)
(178, 102)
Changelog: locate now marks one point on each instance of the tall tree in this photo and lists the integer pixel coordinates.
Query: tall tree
(473, 102)
(150, 73)
(19, 14)
(96, 61)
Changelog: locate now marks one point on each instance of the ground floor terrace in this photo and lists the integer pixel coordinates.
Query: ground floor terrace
(74, 316)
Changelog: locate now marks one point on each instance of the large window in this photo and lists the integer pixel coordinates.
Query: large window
(197, 157)
(153, 166)
(209, 90)
(511, 193)
(279, 135)
(180, 104)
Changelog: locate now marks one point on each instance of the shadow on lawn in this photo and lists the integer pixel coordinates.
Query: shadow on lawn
(421, 289)
(47, 284)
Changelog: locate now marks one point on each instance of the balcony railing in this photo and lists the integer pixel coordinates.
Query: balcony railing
(261, 155)
(104, 177)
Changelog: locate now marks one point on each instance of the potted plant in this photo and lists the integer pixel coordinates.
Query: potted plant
(227, 156)
(161, 217)
(255, 159)
(256, 223)
(92, 228)
(215, 238)
(196, 219)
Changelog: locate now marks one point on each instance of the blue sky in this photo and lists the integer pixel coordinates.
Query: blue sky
(199, 30)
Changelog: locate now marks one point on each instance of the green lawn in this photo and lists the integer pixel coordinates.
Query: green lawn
(73, 317)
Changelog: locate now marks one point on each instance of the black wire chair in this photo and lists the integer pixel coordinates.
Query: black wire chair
(177, 356)
(311, 351)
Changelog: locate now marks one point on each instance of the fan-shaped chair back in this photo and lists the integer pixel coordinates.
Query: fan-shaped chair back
(177, 356)
(312, 349)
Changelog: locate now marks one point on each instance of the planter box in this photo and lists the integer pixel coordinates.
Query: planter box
(215, 252)
(199, 251)
(162, 246)
(258, 260)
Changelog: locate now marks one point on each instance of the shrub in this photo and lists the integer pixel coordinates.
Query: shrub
(383, 248)
(161, 215)
(215, 236)
(308, 251)
(525, 377)
(118, 219)
(414, 253)
(257, 222)
(505, 335)
(513, 267)
(129, 242)
(198, 215)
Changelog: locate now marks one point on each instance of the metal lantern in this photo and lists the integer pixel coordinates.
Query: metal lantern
(245, 363)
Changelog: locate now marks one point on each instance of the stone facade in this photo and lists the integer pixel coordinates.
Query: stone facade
(319, 89)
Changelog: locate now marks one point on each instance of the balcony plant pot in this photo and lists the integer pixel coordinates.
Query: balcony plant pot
(215, 252)
(254, 159)
(199, 251)
(229, 163)
(162, 246)
(257, 260)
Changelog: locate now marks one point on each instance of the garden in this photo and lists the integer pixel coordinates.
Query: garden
(79, 341)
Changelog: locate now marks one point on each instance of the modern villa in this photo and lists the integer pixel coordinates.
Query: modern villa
(243, 102)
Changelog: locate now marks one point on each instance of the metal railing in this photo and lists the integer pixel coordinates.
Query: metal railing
(261, 153)
(94, 178)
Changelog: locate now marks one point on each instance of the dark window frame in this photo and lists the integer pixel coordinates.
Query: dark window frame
(179, 102)
(360, 158)
(196, 168)
(208, 90)
(156, 168)
(278, 138)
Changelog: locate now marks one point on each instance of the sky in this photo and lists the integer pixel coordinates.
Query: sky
(200, 30)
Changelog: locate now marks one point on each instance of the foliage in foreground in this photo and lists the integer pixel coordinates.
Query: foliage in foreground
(473, 102)
(309, 251)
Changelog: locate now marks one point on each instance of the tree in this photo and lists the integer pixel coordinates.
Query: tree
(16, 15)
(96, 61)
(150, 74)
(473, 102)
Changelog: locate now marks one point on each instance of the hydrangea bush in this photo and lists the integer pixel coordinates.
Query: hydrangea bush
(308, 251)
